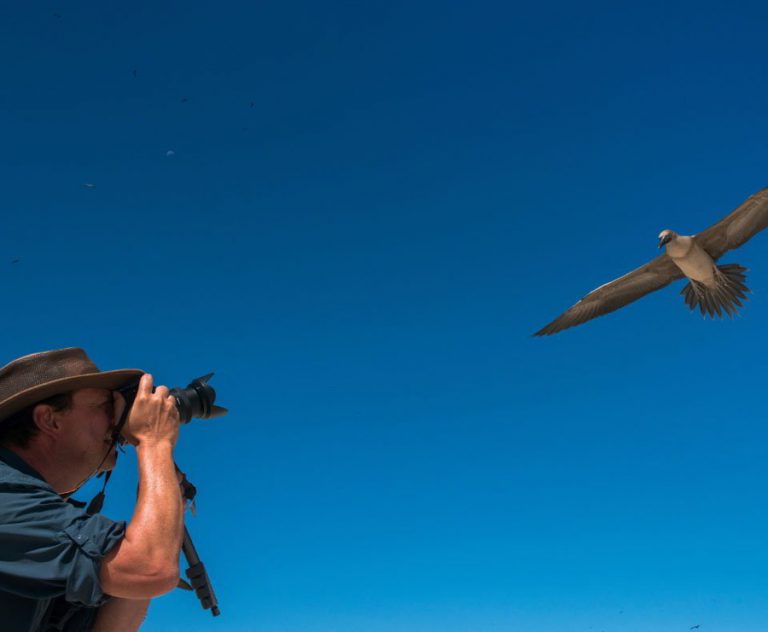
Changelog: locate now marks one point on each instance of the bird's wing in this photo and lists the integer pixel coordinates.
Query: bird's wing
(653, 276)
(736, 228)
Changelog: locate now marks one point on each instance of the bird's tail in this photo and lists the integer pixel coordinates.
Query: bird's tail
(726, 296)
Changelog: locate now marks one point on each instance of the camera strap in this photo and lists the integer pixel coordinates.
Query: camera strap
(97, 502)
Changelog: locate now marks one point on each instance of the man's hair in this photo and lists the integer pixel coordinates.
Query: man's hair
(20, 428)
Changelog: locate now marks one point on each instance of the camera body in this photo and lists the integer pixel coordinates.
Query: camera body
(195, 400)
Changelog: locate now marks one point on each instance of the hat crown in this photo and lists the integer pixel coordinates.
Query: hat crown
(32, 378)
(41, 368)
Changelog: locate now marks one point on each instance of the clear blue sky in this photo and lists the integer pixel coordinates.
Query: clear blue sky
(369, 209)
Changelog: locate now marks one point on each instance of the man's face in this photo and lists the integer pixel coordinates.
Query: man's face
(87, 428)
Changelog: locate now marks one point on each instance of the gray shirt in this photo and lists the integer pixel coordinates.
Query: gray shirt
(50, 553)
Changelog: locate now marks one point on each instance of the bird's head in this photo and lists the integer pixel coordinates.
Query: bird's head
(665, 236)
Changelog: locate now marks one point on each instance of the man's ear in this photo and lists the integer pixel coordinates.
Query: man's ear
(45, 420)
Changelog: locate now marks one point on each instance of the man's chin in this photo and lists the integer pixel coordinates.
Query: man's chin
(107, 467)
(110, 461)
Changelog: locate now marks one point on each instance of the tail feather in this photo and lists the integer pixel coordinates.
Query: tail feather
(725, 300)
(715, 301)
(726, 297)
(688, 295)
(710, 303)
(731, 304)
(705, 304)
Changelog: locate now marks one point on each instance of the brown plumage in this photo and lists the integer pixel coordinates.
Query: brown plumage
(725, 298)
(715, 290)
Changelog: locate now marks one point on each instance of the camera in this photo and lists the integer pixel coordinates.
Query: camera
(195, 400)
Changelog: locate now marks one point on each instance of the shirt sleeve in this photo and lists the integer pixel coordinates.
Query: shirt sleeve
(48, 548)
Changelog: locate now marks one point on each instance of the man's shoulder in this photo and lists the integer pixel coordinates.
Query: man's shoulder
(12, 479)
(24, 497)
(26, 500)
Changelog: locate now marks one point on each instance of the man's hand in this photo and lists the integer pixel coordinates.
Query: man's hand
(145, 563)
(154, 417)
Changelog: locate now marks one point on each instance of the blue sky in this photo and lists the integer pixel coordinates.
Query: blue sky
(369, 209)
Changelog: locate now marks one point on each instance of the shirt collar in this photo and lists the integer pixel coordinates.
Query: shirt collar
(16, 462)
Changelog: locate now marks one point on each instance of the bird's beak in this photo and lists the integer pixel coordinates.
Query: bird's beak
(664, 240)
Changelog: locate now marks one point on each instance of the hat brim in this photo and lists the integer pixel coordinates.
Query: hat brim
(110, 380)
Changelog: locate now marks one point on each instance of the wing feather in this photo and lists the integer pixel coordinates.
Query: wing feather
(736, 228)
(609, 297)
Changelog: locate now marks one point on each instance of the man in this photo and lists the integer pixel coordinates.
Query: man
(61, 568)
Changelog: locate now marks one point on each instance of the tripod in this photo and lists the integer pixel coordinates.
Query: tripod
(198, 576)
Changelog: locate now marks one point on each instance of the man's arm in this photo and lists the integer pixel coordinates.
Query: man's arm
(121, 615)
(146, 562)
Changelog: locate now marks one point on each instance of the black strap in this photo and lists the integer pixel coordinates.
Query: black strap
(97, 502)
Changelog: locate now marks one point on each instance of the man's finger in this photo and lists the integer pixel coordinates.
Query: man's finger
(162, 391)
(145, 384)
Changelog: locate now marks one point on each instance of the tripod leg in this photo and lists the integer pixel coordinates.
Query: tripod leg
(198, 576)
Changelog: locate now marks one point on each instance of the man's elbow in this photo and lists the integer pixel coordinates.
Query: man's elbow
(144, 583)
(163, 580)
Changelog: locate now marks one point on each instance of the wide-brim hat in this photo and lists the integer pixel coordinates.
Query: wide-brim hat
(33, 378)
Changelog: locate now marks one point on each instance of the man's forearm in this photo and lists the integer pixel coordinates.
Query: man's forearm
(145, 563)
(121, 615)
(158, 519)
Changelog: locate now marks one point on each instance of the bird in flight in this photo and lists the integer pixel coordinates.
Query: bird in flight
(695, 627)
(15, 260)
(714, 289)
(89, 185)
